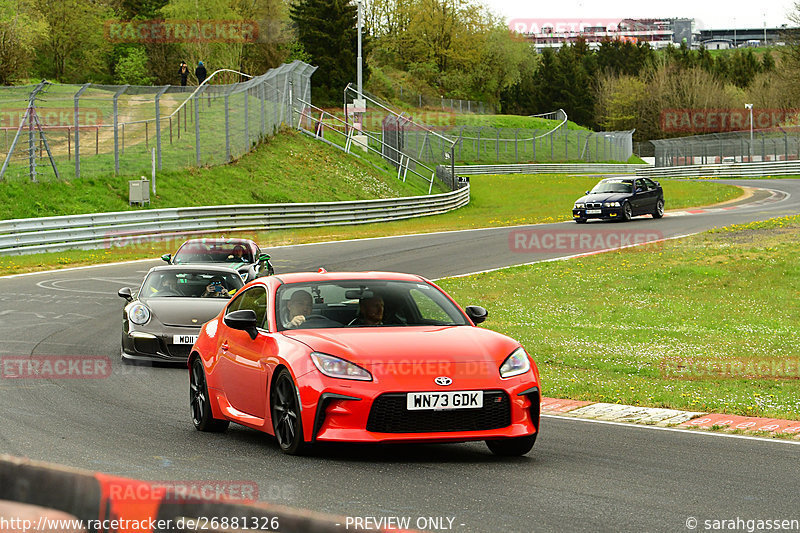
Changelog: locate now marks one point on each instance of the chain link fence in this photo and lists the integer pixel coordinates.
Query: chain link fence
(488, 145)
(776, 144)
(445, 104)
(68, 131)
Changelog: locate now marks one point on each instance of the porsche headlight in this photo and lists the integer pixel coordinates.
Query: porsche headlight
(139, 314)
(336, 367)
(612, 204)
(579, 205)
(515, 364)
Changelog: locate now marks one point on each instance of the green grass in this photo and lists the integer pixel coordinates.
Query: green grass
(289, 167)
(640, 325)
(495, 201)
(512, 121)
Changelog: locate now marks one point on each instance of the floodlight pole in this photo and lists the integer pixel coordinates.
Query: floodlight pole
(750, 149)
(359, 78)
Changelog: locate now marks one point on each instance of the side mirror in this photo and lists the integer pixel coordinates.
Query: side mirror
(167, 257)
(587, 192)
(477, 313)
(126, 293)
(263, 257)
(243, 319)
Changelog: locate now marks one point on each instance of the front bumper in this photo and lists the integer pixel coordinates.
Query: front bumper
(144, 345)
(365, 412)
(604, 213)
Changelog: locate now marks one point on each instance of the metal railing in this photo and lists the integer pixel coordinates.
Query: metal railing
(726, 170)
(53, 234)
(552, 168)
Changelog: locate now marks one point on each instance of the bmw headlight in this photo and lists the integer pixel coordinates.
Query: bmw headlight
(335, 367)
(612, 204)
(515, 364)
(139, 314)
(579, 205)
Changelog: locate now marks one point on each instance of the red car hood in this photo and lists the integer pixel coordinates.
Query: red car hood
(389, 349)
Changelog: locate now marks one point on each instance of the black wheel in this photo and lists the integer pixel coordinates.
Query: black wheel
(202, 418)
(286, 420)
(580, 220)
(659, 212)
(512, 447)
(627, 212)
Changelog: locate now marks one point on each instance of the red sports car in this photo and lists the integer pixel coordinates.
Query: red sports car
(361, 357)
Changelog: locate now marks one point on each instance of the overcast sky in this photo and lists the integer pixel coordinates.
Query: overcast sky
(707, 14)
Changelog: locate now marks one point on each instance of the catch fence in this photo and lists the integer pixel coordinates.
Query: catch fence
(764, 145)
(66, 131)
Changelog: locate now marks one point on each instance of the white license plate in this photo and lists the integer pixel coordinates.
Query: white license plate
(593, 211)
(416, 401)
(184, 339)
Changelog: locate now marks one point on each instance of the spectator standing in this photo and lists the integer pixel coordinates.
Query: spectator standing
(200, 72)
(184, 72)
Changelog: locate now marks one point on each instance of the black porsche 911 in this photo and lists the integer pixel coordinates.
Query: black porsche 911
(620, 199)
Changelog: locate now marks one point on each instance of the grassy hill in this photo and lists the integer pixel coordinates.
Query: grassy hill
(289, 167)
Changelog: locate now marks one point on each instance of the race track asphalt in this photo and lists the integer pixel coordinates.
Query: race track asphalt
(580, 476)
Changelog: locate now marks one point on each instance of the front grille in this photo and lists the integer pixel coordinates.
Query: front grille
(594, 205)
(389, 415)
(179, 350)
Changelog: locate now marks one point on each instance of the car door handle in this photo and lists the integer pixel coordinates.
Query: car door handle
(224, 346)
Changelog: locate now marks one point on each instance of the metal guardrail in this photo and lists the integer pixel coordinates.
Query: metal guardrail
(552, 168)
(726, 170)
(54, 234)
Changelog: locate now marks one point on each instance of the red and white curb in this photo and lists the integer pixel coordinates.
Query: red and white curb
(653, 416)
(775, 196)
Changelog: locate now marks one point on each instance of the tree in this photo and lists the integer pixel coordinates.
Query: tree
(327, 31)
(74, 47)
(20, 29)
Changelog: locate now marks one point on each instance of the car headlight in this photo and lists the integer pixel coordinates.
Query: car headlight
(336, 367)
(612, 204)
(579, 206)
(139, 314)
(515, 364)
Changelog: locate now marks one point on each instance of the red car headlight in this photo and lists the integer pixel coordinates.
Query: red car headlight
(515, 364)
(336, 367)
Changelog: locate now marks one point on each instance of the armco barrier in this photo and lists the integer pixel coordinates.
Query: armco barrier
(726, 170)
(53, 234)
(93, 497)
(551, 168)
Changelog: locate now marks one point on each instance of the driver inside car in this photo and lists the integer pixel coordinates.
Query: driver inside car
(167, 286)
(299, 307)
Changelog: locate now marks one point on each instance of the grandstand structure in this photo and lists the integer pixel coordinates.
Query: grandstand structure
(660, 33)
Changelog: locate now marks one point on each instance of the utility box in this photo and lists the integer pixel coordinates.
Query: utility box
(139, 192)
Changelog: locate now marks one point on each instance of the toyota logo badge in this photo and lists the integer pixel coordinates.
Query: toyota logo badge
(443, 381)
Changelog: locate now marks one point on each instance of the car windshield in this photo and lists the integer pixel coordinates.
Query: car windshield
(364, 303)
(612, 186)
(190, 284)
(209, 252)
